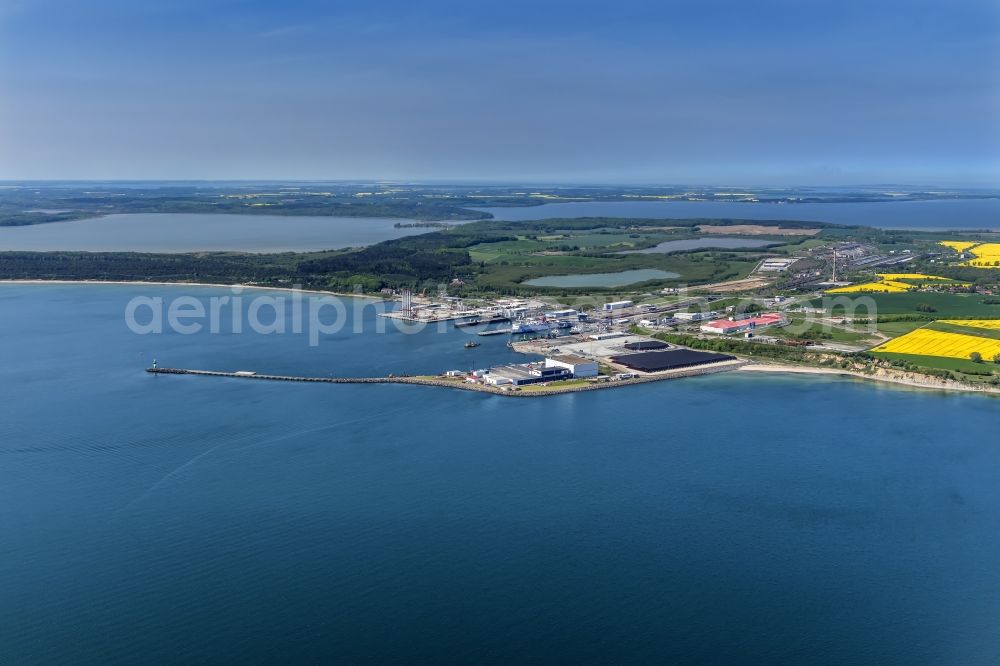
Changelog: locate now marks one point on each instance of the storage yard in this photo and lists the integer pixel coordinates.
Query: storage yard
(674, 359)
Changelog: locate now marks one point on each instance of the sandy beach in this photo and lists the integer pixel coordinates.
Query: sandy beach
(882, 375)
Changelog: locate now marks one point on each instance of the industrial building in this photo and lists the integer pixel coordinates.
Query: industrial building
(617, 305)
(610, 335)
(520, 375)
(730, 326)
(776, 264)
(580, 367)
(694, 316)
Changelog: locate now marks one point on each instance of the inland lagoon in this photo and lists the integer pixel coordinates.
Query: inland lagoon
(618, 279)
(933, 214)
(203, 232)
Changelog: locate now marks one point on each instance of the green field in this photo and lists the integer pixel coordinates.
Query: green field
(943, 363)
(894, 329)
(974, 371)
(944, 305)
(993, 334)
(817, 331)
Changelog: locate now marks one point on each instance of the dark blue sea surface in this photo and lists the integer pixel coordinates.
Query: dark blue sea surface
(926, 215)
(725, 519)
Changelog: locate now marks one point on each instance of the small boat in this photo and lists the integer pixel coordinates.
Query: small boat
(470, 344)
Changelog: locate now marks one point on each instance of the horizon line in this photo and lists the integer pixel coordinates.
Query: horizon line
(503, 183)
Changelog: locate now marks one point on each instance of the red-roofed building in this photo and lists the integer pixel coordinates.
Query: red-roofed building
(730, 326)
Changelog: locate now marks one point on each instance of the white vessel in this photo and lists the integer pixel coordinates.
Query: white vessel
(531, 326)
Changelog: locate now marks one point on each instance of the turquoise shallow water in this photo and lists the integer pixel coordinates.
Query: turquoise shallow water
(714, 520)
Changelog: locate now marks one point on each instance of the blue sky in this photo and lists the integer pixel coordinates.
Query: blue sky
(755, 93)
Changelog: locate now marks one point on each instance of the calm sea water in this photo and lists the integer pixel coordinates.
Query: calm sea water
(940, 214)
(727, 519)
(194, 232)
(601, 279)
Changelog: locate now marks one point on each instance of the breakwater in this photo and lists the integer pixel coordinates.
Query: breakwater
(460, 383)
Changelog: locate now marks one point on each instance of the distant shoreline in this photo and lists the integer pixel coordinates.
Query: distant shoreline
(194, 284)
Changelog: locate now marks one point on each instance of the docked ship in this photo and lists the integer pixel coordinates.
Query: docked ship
(531, 326)
(477, 321)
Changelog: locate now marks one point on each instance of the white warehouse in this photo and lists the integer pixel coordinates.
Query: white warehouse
(617, 305)
(694, 316)
(579, 366)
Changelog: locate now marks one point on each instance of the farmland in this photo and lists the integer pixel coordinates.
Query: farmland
(986, 255)
(949, 346)
(929, 342)
(983, 255)
(958, 246)
(970, 371)
(992, 324)
(928, 305)
(919, 277)
(890, 283)
(883, 287)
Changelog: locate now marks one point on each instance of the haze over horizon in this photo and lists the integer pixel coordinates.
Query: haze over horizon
(781, 93)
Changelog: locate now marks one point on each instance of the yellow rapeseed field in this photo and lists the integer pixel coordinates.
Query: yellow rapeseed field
(888, 283)
(872, 287)
(925, 342)
(992, 324)
(958, 246)
(986, 255)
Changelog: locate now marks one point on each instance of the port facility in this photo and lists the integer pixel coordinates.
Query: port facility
(673, 359)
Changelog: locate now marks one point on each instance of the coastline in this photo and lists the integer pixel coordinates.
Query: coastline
(196, 284)
(882, 375)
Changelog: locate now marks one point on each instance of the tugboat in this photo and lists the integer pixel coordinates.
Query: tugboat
(470, 344)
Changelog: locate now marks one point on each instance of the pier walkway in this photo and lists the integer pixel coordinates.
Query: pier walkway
(460, 383)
